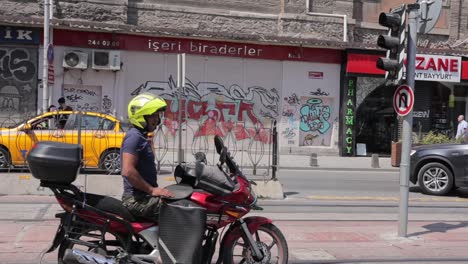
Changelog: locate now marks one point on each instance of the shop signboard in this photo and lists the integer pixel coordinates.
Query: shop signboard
(101, 40)
(19, 35)
(437, 68)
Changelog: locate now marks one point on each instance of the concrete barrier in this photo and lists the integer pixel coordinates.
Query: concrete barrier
(270, 189)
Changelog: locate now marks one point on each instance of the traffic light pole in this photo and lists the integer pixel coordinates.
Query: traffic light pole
(413, 10)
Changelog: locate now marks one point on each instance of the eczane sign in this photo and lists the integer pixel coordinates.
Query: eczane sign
(437, 68)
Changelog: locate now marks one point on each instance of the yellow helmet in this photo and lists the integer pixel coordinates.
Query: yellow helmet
(142, 105)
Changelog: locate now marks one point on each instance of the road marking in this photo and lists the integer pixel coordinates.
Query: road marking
(24, 177)
(386, 198)
(169, 178)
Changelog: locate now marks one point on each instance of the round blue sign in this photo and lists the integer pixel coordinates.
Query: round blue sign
(50, 54)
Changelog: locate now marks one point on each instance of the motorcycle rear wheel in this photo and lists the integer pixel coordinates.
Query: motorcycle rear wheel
(271, 242)
(113, 242)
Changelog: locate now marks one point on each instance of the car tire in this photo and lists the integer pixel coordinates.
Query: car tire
(5, 158)
(435, 178)
(110, 161)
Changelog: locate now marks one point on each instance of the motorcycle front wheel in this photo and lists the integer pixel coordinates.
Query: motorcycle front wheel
(113, 243)
(270, 241)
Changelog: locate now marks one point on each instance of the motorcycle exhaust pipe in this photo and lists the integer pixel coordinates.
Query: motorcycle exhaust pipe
(76, 256)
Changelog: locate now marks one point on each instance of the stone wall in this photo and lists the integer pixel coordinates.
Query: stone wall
(268, 21)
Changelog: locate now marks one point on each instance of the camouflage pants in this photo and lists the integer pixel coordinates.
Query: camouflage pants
(144, 206)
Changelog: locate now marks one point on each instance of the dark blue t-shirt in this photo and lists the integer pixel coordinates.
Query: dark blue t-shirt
(136, 143)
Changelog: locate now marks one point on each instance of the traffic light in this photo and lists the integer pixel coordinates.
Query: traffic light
(393, 42)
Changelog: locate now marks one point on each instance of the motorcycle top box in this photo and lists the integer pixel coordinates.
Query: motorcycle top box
(55, 162)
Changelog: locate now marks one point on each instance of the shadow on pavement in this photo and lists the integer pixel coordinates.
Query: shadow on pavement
(14, 170)
(439, 228)
(372, 261)
(457, 192)
(460, 192)
(415, 189)
(290, 193)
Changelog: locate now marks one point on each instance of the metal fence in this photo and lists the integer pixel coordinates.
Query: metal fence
(101, 136)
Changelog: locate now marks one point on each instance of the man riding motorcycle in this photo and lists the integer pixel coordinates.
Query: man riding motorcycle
(100, 229)
(141, 194)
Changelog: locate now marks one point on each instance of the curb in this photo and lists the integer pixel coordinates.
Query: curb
(341, 169)
(396, 169)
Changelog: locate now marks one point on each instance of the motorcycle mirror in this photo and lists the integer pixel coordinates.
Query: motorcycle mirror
(218, 144)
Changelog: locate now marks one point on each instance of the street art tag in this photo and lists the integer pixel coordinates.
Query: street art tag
(315, 116)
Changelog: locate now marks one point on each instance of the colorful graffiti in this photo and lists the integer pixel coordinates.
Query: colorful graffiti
(315, 116)
(308, 119)
(18, 79)
(218, 109)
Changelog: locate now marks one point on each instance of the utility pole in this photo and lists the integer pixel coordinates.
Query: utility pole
(45, 65)
(180, 94)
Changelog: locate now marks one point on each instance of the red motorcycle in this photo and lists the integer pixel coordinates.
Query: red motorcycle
(99, 229)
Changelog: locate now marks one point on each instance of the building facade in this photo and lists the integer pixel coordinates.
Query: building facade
(248, 64)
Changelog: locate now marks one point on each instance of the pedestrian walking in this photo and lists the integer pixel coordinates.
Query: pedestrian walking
(461, 128)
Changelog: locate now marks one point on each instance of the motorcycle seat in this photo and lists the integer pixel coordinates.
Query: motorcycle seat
(180, 191)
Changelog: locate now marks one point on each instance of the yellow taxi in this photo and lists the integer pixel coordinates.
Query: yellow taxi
(100, 134)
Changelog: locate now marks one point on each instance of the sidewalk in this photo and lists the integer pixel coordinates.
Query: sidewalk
(335, 163)
(28, 230)
(308, 242)
(300, 161)
(376, 242)
(294, 162)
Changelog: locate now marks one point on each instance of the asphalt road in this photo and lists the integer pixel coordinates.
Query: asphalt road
(311, 196)
(351, 185)
(322, 195)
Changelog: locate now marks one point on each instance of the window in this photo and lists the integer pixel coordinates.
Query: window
(89, 122)
(50, 122)
(107, 124)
